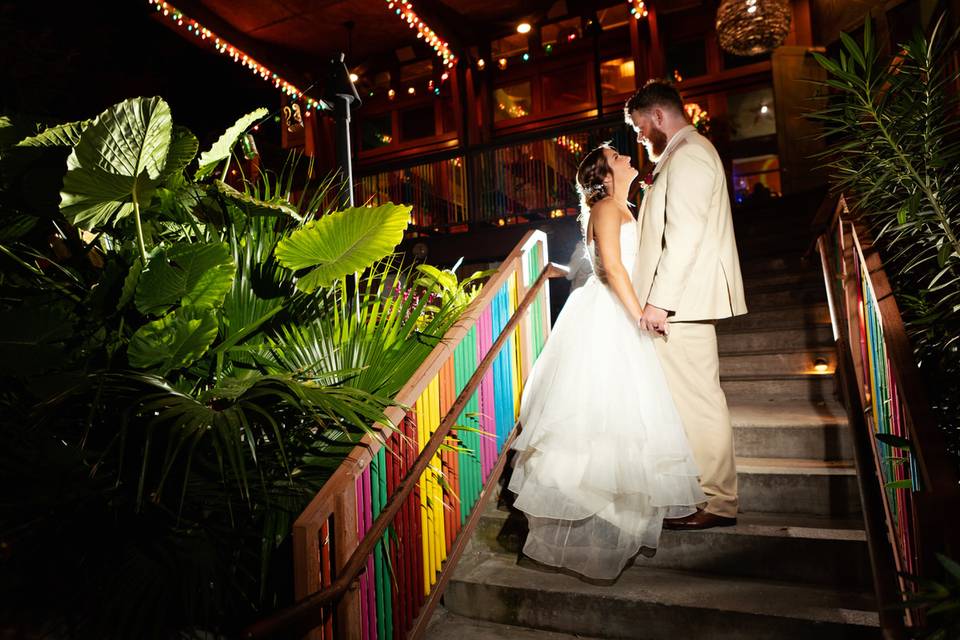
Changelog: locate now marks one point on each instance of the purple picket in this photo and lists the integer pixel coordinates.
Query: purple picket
(364, 581)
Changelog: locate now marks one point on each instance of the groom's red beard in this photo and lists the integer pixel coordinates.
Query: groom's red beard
(655, 144)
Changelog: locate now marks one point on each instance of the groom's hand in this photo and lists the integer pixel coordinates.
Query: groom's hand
(654, 319)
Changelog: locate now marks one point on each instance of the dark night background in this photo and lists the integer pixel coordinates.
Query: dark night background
(62, 61)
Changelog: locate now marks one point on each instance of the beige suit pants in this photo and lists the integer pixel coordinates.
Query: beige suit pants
(692, 366)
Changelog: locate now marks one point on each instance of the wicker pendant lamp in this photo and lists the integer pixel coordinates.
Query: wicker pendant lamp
(752, 27)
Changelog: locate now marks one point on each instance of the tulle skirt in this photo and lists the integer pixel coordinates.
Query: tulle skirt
(602, 457)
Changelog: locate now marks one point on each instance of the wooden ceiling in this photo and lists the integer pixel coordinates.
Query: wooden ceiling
(303, 33)
(297, 37)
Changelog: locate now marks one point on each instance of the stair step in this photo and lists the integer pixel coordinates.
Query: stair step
(798, 485)
(786, 316)
(765, 239)
(775, 297)
(768, 546)
(793, 277)
(813, 336)
(761, 227)
(777, 388)
(791, 429)
(794, 361)
(449, 626)
(775, 261)
(650, 602)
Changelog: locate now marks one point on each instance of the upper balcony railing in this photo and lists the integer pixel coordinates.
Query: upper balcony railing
(508, 182)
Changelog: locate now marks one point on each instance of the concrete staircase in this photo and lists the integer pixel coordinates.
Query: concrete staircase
(795, 566)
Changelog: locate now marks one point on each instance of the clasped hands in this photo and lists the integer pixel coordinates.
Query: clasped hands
(654, 319)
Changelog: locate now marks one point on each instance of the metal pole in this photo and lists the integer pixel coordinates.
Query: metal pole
(342, 94)
(341, 114)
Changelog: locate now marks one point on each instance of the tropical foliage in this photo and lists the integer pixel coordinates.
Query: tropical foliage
(184, 363)
(896, 152)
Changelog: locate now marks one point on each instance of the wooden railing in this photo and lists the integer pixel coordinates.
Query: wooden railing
(910, 492)
(374, 549)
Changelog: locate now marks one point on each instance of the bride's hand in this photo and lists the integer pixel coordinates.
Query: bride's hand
(654, 319)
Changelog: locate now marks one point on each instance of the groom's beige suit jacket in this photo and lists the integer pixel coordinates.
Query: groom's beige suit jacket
(688, 261)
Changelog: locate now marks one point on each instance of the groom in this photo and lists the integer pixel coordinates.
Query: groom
(688, 271)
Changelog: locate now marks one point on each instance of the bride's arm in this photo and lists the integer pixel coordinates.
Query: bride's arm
(606, 218)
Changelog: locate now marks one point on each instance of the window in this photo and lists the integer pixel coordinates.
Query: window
(687, 59)
(756, 179)
(565, 88)
(617, 76)
(751, 114)
(376, 131)
(417, 123)
(512, 101)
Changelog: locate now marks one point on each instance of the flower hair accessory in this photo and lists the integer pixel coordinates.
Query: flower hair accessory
(594, 190)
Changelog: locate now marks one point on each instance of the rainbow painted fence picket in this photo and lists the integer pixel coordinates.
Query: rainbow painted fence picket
(489, 350)
(898, 446)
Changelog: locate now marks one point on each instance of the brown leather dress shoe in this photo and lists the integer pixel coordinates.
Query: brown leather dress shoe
(699, 520)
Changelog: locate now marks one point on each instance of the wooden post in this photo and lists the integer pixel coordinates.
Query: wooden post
(655, 60)
(796, 134)
(347, 619)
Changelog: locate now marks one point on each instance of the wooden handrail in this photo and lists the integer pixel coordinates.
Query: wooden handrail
(361, 455)
(928, 521)
(300, 617)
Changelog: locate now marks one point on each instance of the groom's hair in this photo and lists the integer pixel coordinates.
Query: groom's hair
(655, 93)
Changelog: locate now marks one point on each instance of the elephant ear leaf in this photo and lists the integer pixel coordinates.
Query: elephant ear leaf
(118, 160)
(183, 149)
(61, 135)
(253, 206)
(342, 243)
(186, 274)
(221, 148)
(174, 341)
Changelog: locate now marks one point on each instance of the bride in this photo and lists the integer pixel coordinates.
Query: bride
(602, 457)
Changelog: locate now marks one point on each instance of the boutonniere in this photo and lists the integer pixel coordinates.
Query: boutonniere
(648, 181)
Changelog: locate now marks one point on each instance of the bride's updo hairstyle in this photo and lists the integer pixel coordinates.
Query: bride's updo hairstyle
(590, 175)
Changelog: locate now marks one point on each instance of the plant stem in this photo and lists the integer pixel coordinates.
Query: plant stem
(136, 217)
(915, 175)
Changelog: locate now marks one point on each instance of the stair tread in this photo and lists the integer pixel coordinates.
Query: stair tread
(684, 589)
(774, 376)
(781, 350)
(759, 286)
(775, 525)
(786, 413)
(445, 625)
(796, 466)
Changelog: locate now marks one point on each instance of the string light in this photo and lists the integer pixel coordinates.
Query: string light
(569, 144)
(240, 57)
(637, 9)
(424, 32)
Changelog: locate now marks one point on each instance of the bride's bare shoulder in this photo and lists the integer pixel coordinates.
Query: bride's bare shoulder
(605, 209)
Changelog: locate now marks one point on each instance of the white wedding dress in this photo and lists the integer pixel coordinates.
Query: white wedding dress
(602, 457)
